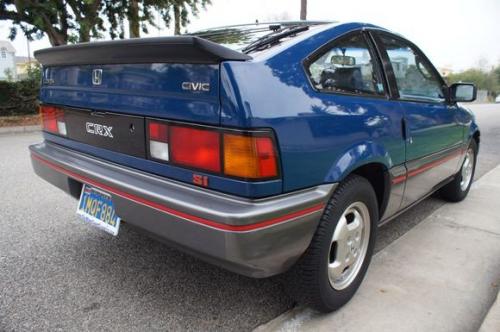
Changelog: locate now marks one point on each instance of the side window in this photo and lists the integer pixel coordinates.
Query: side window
(414, 75)
(4, 53)
(347, 66)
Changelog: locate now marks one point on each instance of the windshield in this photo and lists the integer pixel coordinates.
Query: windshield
(243, 37)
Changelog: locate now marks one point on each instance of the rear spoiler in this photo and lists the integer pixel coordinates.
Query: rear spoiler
(180, 49)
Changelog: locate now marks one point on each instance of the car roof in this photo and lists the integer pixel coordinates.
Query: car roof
(322, 29)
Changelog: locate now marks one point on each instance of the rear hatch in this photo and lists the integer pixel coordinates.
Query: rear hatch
(118, 84)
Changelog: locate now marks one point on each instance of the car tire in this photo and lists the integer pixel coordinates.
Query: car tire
(322, 278)
(457, 190)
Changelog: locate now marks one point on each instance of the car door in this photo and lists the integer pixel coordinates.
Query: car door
(433, 135)
(348, 81)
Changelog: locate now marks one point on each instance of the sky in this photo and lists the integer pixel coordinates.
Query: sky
(455, 34)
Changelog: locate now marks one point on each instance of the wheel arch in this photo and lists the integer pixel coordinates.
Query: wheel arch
(378, 176)
(476, 135)
(370, 161)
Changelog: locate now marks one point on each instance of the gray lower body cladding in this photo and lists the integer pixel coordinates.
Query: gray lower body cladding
(257, 238)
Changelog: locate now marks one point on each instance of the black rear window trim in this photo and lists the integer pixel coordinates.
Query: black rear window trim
(318, 52)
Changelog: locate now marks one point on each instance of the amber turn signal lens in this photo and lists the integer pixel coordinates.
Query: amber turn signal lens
(249, 157)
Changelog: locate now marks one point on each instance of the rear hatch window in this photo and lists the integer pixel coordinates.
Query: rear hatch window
(249, 38)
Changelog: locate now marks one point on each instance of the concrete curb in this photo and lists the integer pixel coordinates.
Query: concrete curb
(442, 275)
(491, 322)
(19, 129)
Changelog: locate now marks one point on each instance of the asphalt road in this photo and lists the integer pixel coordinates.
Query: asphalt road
(57, 273)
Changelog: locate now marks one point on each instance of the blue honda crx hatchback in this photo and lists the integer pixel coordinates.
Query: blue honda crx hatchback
(260, 148)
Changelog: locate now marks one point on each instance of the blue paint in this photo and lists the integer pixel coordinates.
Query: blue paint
(140, 89)
(219, 183)
(321, 137)
(316, 131)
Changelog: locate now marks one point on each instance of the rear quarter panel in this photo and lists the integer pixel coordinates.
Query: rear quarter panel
(321, 137)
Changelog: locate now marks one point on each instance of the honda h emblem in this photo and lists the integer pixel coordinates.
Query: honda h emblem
(97, 76)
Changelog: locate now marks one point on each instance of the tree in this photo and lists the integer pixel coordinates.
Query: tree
(496, 74)
(86, 14)
(9, 75)
(140, 14)
(133, 19)
(70, 21)
(62, 21)
(484, 80)
(36, 18)
(303, 10)
(180, 10)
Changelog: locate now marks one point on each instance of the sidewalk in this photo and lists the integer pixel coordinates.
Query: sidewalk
(443, 275)
(492, 321)
(19, 129)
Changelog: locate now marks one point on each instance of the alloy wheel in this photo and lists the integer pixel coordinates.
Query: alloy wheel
(467, 169)
(349, 245)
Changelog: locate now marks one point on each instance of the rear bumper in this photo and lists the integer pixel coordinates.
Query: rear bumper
(257, 238)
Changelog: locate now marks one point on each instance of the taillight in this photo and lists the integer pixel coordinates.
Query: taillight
(246, 155)
(53, 120)
(198, 148)
(249, 157)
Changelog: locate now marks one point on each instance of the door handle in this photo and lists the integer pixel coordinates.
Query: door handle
(405, 131)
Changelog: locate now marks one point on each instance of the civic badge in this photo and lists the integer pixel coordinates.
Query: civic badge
(97, 76)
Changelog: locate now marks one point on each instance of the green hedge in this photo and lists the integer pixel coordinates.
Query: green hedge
(19, 98)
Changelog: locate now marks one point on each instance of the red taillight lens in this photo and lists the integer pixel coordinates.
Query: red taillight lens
(158, 141)
(49, 118)
(266, 155)
(158, 132)
(53, 119)
(198, 148)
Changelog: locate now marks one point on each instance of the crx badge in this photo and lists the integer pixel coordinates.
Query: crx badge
(196, 86)
(97, 76)
(98, 129)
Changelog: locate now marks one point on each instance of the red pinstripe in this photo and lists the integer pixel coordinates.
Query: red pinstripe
(168, 210)
(425, 167)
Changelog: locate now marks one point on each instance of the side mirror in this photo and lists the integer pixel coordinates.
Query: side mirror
(463, 92)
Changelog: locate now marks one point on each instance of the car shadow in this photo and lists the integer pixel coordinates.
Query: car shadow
(172, 287)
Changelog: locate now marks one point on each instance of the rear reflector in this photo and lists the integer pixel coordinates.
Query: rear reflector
(53, 120)
(246, 155)
(197, 148)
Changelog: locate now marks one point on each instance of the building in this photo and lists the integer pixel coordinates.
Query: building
(7, 61)
(23, 63)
